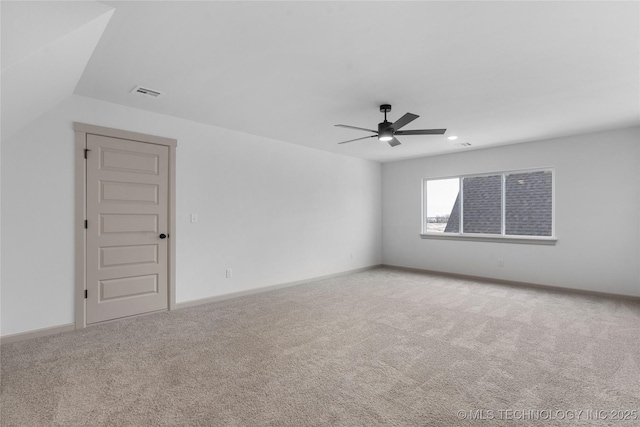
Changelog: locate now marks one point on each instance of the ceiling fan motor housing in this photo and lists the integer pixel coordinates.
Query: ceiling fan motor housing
(383, 126)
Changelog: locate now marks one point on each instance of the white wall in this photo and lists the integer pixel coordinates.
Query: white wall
(597, 214)
(274, 212)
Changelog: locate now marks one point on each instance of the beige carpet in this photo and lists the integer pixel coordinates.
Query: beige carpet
(379, 348)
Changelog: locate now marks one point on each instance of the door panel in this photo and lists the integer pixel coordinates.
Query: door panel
(127, 210)
(128, 287)
(127, 223)
(127, 161)
(117, 256)
(128, 192)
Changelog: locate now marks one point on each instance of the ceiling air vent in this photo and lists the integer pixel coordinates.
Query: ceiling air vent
(146, 92)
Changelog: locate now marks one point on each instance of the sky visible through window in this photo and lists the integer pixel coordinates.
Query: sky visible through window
(441, 196)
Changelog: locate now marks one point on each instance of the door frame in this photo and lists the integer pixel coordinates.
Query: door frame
(81, 131)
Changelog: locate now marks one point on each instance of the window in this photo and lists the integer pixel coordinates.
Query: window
(503, 205)
(443, 202)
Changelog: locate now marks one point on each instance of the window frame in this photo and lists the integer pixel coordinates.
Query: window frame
(502, 237)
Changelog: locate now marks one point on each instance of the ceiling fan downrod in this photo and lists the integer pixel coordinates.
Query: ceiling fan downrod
(385, 108)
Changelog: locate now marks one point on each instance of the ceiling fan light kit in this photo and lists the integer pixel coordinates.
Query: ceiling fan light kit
(387, 131)
(385, 135)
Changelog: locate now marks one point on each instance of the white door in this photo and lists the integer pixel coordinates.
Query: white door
(127, 228)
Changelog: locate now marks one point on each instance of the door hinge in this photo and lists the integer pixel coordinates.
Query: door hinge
(86, 293)
(86, 223)
(86, 151)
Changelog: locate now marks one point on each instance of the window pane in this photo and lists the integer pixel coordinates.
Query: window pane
(482, 207)
(528, 198)
(442, 206)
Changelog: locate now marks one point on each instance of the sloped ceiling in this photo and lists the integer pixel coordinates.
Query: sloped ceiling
(45, 49)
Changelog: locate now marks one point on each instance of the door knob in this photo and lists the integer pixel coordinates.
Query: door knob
(163, 236)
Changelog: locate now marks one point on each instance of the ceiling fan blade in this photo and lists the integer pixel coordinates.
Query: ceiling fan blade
(394, 142)
(404, 120)
(422, 132)
(353, 127)
(357, 139)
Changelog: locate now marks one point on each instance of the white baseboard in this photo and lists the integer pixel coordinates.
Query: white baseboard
(37, 333)
(201, 301)
(515, 283)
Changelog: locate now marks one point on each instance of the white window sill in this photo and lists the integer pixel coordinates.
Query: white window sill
(526, 240)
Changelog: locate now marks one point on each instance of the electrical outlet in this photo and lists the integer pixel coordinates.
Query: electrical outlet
(500, 263)
(229, 273)
(194, 217)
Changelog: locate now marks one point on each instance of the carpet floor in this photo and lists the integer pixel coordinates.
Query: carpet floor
(383, 347)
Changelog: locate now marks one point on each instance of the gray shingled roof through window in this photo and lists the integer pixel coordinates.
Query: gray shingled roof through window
(528, 205)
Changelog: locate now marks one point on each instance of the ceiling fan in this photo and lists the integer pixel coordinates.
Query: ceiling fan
(387, 131)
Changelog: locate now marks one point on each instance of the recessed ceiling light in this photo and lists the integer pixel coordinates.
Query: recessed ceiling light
(452, 138)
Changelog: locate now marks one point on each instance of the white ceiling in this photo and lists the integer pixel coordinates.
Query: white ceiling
(45, 48)
(491, 72)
